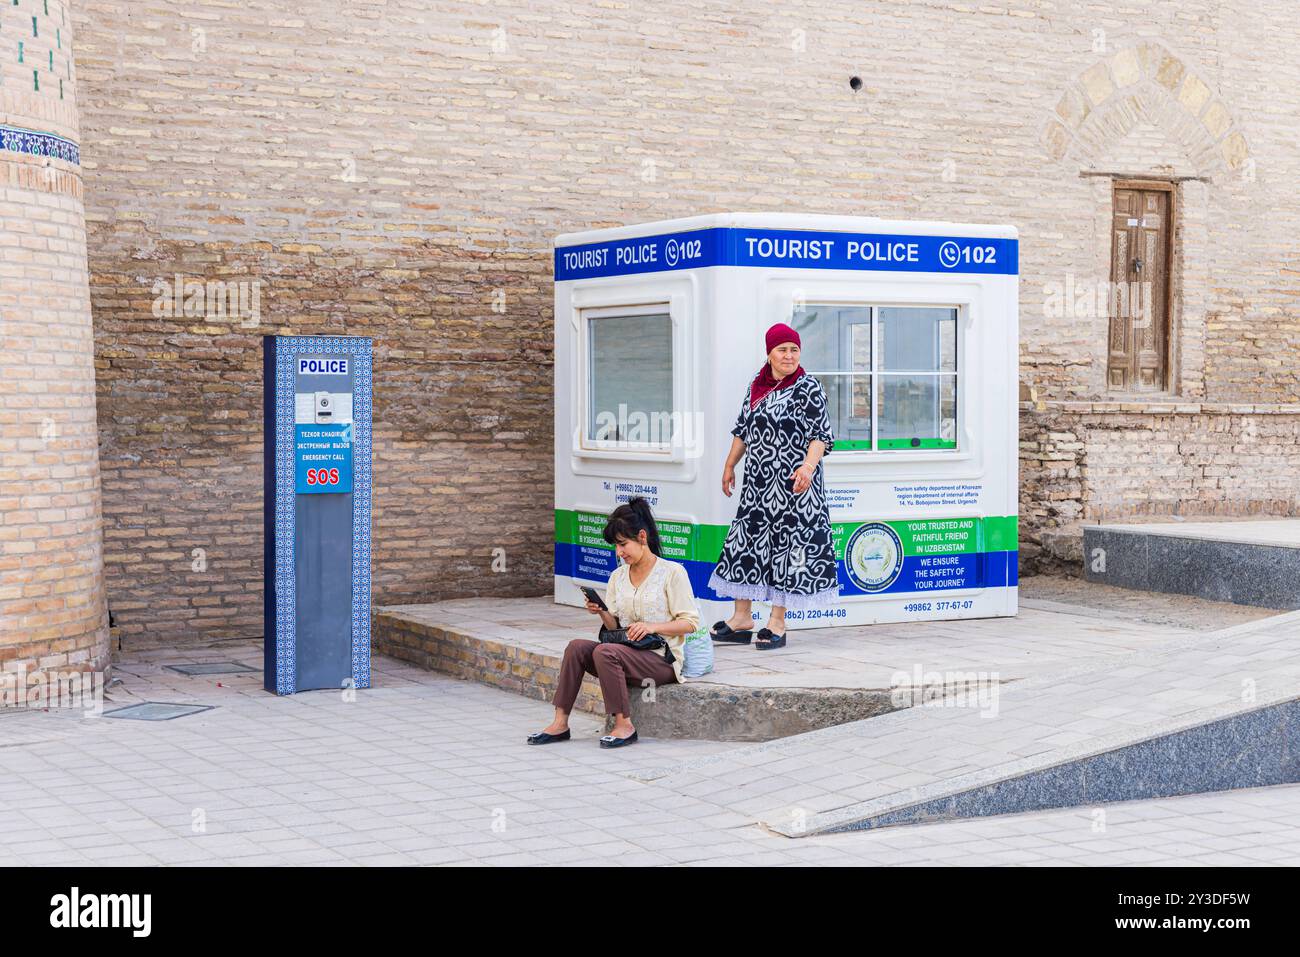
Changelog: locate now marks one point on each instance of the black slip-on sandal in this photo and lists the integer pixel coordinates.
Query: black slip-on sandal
(609, 741)
(721, 631)
(541, 737)
(767, 640)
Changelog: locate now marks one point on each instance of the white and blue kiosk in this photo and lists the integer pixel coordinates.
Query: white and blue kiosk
(911, 327)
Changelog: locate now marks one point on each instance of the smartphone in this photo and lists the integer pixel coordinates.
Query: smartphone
(593, 596)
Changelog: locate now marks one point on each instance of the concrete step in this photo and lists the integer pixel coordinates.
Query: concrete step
(1209, 712)
(1253, 562)
(513, 660)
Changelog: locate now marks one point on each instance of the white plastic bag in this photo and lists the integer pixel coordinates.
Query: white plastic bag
(698, 654)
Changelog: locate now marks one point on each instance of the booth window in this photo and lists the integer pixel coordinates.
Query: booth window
(630, 378)
(890, 373)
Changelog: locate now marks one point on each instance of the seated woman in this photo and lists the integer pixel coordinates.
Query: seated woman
(646, 595)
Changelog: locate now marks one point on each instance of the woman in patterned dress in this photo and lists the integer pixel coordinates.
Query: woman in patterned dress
(779, 548)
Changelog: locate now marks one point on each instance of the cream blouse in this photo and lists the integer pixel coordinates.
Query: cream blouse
(665, 595)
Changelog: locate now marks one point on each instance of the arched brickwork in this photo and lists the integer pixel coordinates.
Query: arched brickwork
(1145, 82)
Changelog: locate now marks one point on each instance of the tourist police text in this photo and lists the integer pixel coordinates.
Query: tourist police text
(816, 249)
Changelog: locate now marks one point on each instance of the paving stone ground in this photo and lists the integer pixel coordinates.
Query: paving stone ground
(848, 773)
(1116, 605)
(425, 769)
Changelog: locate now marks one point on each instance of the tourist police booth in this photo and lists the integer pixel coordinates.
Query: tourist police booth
(316, 507)
(911, 327)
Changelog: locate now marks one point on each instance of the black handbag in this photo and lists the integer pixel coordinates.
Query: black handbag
(651, 642)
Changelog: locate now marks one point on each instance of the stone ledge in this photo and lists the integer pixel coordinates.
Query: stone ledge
(1174, 559)
(708, 711)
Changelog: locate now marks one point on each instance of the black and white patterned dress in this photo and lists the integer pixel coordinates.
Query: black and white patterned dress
(779, 548)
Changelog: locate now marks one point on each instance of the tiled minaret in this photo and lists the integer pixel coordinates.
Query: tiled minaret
(52, 607)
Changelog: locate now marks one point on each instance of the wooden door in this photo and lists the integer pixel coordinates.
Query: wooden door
(1138, 349)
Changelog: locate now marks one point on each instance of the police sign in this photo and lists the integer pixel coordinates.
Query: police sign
(319, 366)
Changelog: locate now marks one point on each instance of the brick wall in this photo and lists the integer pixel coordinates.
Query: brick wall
(1110, 461)
(398, 168)
(52, 613)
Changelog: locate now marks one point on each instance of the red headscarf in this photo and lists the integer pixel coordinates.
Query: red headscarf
(765, 383)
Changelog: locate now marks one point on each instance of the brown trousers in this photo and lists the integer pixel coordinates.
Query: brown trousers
(615, 665)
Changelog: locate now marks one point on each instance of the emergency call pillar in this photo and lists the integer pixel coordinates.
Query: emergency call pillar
(316, 512)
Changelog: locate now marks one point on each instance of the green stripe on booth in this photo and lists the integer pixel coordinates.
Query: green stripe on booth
(682, 541)
(1001, 533)
(916, 443)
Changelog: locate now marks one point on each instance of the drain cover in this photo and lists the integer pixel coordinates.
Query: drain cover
(157, 711)
(211, 668)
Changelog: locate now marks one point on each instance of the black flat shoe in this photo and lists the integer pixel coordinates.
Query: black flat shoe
(767, 640)
(541, 737)
(721, 631)
(609, 741)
